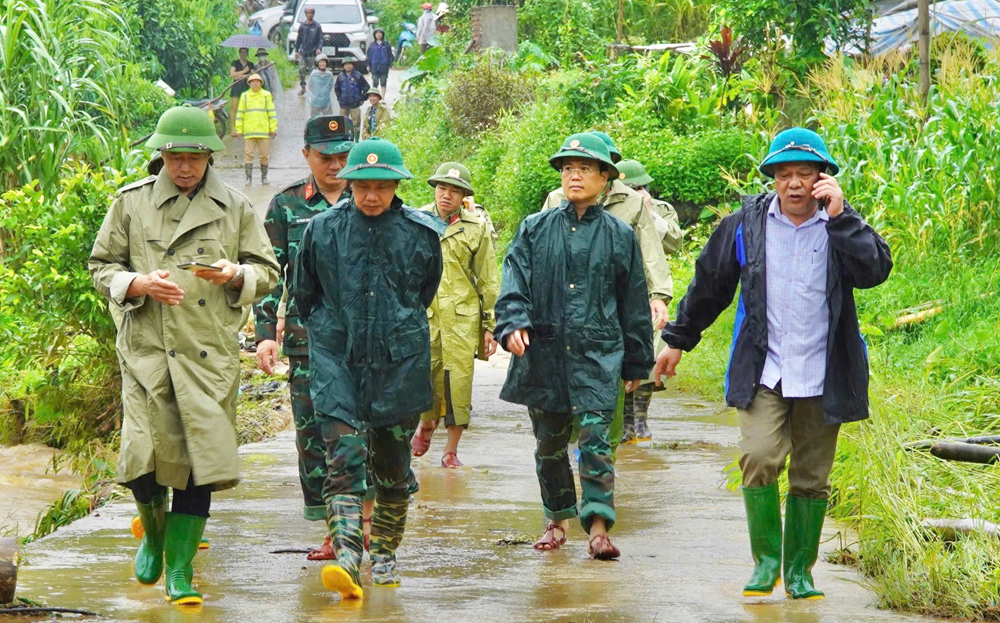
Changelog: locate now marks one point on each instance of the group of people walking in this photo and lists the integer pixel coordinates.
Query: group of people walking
(383, 309)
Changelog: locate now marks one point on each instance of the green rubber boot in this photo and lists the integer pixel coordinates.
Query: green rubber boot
(803, 528)
(388, 525)
(183, 536)
(763, 506)
(344, 576)
(152, 523)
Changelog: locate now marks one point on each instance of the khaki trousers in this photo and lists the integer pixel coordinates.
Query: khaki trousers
(772, 427)
(261, 145)
(355, 116)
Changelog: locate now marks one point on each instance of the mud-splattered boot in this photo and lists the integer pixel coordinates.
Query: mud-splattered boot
(344, 576)
(764, 521)
(628, 430)
(642, 432)
(263, 176)
(388, 525)
(149, 526)
(249, 170)
(803, 529)
(181, 541)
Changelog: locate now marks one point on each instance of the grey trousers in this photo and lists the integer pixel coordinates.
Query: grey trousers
(773, 427)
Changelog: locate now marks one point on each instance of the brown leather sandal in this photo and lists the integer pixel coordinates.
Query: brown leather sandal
(601, 548)
(549, 539)
(419, 444)
(325, 551)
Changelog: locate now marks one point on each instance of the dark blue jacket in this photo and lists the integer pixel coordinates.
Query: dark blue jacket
(380, 57)
(310, 39)
(735, 256)
(350, 89)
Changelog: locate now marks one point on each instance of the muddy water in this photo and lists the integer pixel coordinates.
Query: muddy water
(28, 484)
(685, 549)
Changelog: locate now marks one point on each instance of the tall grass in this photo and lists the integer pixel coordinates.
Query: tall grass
(58, 70)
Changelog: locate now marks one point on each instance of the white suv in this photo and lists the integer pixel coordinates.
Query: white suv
(347, 30)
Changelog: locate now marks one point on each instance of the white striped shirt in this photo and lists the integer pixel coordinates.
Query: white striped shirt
(798, 314)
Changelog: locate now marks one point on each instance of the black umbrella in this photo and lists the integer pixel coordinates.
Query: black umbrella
(247, 41)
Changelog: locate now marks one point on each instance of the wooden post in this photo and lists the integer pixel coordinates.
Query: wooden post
(8, 569)
(924, 46)
(621, 20)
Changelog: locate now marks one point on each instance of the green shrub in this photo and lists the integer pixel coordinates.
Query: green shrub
(476, 97)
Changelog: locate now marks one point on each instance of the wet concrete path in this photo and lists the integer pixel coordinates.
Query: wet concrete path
(683, 538)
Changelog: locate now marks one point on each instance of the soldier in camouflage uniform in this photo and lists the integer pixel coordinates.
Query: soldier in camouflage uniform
(327, 141)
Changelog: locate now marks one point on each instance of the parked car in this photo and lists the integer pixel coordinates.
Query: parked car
(347, 30)
(270, 23)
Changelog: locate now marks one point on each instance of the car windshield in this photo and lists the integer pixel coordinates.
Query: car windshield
(335, 14)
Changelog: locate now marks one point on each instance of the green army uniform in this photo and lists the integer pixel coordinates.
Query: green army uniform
(179, 363)
(463, 307)
(363, 285)
(287, 216)
(635, 427)
(577, 286)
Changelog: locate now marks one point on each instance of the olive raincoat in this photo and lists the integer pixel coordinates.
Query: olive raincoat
(363, 285)
(668, 225)
(626, 204)
(180, 364)
(463, 307)
(578, 287)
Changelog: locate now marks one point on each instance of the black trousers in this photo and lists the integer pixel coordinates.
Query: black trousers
(189, 501)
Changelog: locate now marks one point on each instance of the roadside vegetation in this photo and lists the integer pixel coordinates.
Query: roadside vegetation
(924, 174)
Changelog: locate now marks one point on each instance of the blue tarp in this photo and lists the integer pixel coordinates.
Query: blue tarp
(976, 18)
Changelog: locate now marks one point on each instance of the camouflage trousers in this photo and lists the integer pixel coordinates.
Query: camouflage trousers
(351, 454)
(307, 63)
(308, 440)
(597, 472)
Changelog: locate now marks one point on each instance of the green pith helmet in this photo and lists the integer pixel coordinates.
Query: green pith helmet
(374, 91)
(375, 159)
(585, 145)
(612, 148)
(455, 174)
(330, 134)
(185, 129)
(798, 145)
(632, 173)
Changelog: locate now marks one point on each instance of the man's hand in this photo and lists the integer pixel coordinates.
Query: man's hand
(666, 364)
(489, 344)
(156, 286)
(647, 199)
(660, 314)
(518, 341)
(280, 330)
(267, 355)
(631, 386)
(219, 277)
(829, 190)
(273, 134)
(296, 56)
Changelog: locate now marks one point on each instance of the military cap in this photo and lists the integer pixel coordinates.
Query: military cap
(455, 174)
(616, 155)
(374, 91)
(185, 129)
(632, 173)
(330, 134)
(375, 159)
(586, 145)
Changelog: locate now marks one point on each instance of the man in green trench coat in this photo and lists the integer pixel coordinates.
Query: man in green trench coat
(461, 316)
(574, 311)
(177, 336)
(327, 140)
(367, 271)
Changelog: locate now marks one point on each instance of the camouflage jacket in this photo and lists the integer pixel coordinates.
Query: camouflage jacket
(287, 216)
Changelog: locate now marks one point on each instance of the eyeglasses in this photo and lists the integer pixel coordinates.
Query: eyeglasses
(582, 170)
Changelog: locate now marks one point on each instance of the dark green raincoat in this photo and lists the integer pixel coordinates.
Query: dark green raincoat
(363, 286)
(579, 288)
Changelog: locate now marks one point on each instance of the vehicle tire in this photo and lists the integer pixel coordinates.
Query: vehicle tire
(221, 122)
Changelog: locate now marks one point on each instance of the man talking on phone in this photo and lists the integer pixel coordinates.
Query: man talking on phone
(798, 367)
(179, 255)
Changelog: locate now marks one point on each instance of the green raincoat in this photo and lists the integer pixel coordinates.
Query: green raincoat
(180, 365)
(363, 285)
(577, 286)
(626, 204)
(463, 307)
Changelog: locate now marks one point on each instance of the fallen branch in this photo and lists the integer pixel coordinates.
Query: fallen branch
(17, 610)
(966, 452)
(950, 529)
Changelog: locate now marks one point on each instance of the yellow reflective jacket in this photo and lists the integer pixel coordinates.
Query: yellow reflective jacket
(255, 115)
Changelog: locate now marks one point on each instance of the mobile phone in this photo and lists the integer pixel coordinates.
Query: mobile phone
(199, 266)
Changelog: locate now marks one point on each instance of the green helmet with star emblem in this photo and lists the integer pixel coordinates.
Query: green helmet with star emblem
(632, 173)
(375, 159)
(455, 174)
(185, 129)
(585, 145)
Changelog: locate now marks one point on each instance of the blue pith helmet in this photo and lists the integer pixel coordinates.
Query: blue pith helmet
(798, 145)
